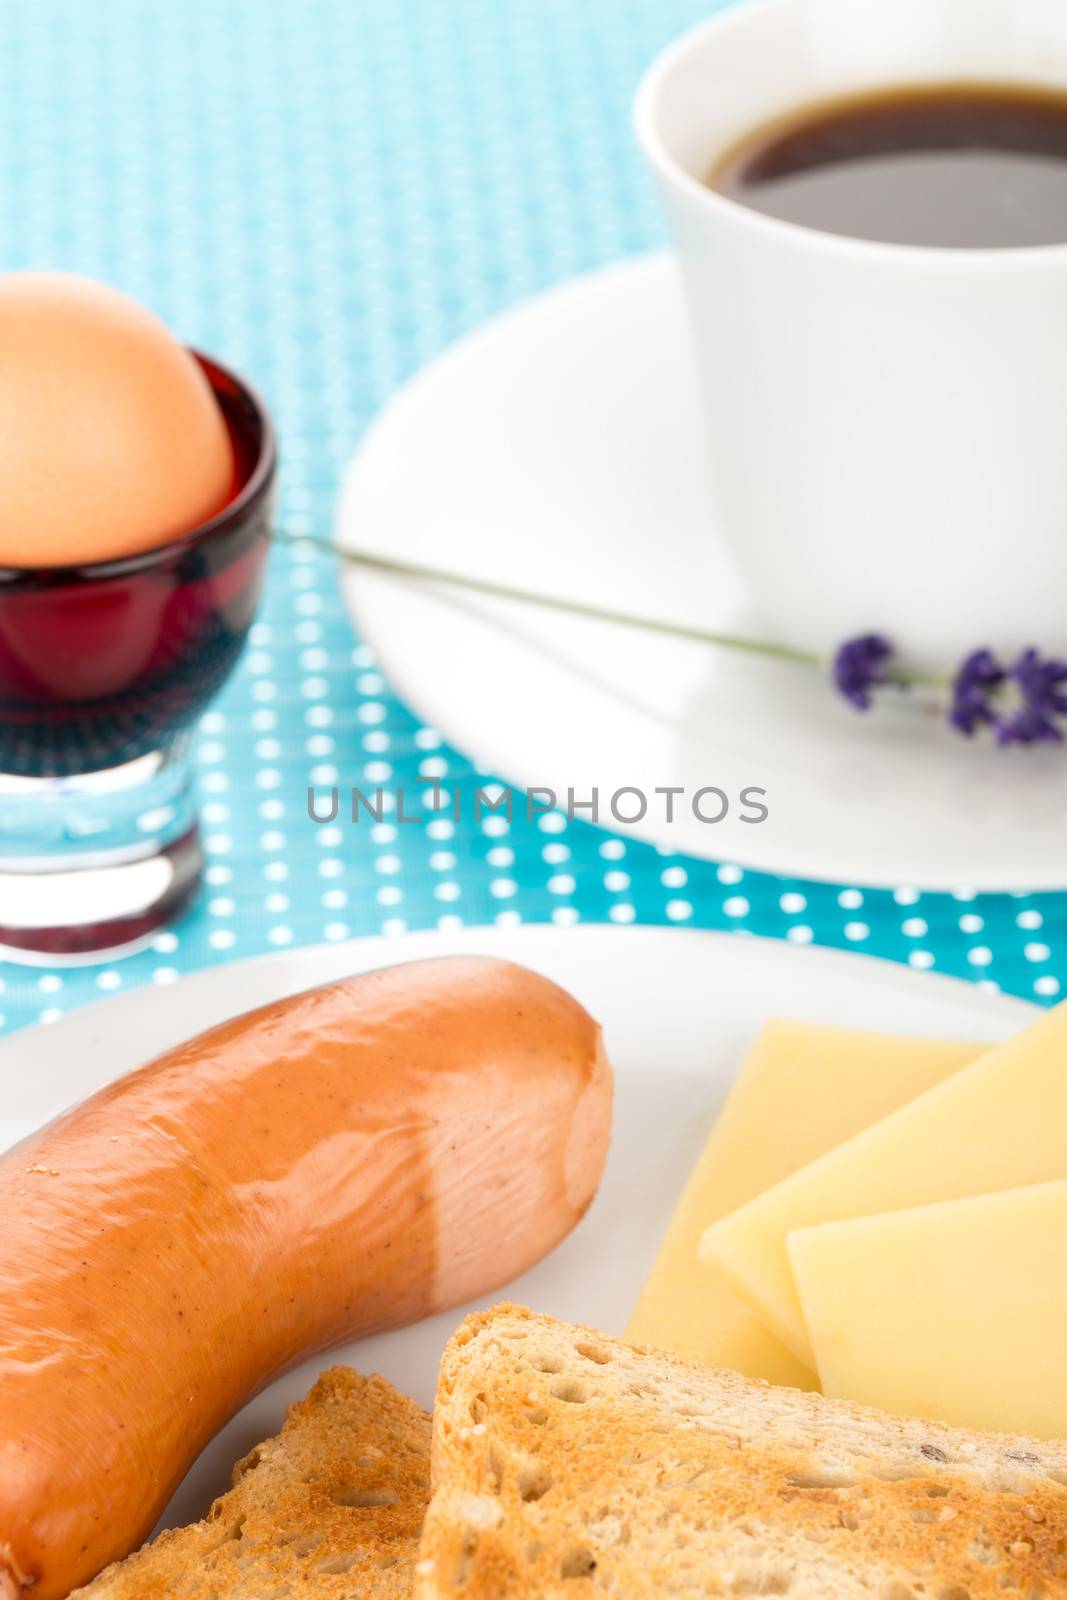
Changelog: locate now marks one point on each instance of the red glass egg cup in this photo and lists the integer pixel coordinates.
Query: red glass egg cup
(104, 671)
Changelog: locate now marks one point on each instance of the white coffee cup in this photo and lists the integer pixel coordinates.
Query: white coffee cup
(887, 424)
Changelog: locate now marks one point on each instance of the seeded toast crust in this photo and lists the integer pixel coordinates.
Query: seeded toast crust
(329, 1509)
(567, 1464)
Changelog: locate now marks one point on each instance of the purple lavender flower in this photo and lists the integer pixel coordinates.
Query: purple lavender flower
(1019, 703)
(973, 688)
(860, 665)
(1042, 697)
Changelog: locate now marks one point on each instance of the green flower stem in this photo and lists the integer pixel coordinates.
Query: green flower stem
(581, 608)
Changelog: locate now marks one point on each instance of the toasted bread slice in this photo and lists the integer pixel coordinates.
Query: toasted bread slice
(330, 1508)
(566, 1463)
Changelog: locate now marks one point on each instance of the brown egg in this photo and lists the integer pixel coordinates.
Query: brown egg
(111, 441)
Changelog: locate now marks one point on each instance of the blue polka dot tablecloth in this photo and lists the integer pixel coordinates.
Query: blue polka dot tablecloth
(324, 193)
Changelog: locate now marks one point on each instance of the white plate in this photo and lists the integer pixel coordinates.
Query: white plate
(560, 448)
(679, 1010)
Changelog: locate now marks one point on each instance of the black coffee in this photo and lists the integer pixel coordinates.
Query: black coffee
(959, 165)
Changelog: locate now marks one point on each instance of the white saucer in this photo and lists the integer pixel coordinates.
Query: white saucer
(679, 1010)
(559, 447)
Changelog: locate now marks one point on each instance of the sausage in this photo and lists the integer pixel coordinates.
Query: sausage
(338, 1163)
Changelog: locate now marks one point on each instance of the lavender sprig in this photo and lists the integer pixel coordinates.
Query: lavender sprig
(1020, 704)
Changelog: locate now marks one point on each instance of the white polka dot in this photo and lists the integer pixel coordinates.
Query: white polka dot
(504, 888)
(850, 899)
(440, 828)
(921, 959)
(674, 878)
(905, 896)
(280, 935)
(800, 933)
(1029, 920)
(613, 849)
(495, 827)
(552, 822)
(390, 894)
(729, 874)
(561, 883)
(736, 906)
(449, 923)
(276, 904)
(221, 906)
(914, 927)
(51, 983)
(165, 943)
(394, 927)
(508, 919)
(622, 913)
(616, 882)
(278, 871)
(427, 738)
(980, 956)
(678, 910)
(792, 903)
(445, 860)
(337, 899)
(856, 931)
(564, 916)
(109, 980)
(163, 975)
(1037, 952)
(335, 931)
(1046, 985)
(446, 891)
(970, 923)
(222, 939)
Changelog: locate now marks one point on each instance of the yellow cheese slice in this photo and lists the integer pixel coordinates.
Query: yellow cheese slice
(803, 1089)
(955, 1311)
(999, 1123)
